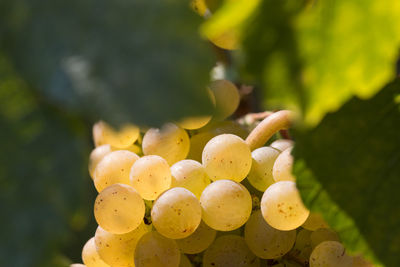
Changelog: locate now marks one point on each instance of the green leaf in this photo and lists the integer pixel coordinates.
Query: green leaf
(313, 58)
(140, 61)
(348, 168)
(45, 191)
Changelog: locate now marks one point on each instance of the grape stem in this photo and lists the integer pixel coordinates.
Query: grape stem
(268, 127)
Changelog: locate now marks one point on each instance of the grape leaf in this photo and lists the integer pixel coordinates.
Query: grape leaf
(140, 61)
(314, 57)
(348, 168)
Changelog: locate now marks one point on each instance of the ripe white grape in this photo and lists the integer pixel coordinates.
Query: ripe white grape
(265, 241)
(282, 170)
(185, 261)
(176, 213)
(314, 222)
(199, 241)
(122, 138)
(260, 175)
(197, 144)
(150, 176)
(227, 98)
(229, 250)
(155, 250)
(96, 156)
(119, 209)
(191, 175)
(225, 127)
(114, 168)
(302, 247)
(226, 205)
(170, 142)
(282, 207)
(330, 254)
(118, 250)
(282, 144)
(227, 156)
(195, 122)
(321, 235)
(90, 257)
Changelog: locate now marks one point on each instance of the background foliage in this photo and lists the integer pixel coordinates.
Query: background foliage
(64, 65)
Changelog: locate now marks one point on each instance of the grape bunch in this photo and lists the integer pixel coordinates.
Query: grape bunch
(204, 192)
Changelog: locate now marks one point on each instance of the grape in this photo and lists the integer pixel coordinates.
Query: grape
(191, 175)
(359, 261)
(155, 250)
(105, 134)
(192, 123)
(170, 142)
(114, 168)
(282, 170)
(227, 98)
(282, 144)
(96, 156)
(314, 222)
(119, 209)
(229, 250)
(176, 213)
(199, 241)
(330, 254)
(90, 257)
(302, 247)
(118, 250)
(260, 175)
(185, 262)
(150, 176)
(77, 265)
(265, 241)
(321, 235)
(228, 126)
(282, 207)
(226, 205)
(197, 144)
(227, 156)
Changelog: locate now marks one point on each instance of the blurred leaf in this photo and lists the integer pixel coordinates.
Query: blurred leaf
(315, 57)
(348, 168)
(44, 186)
(123, 60)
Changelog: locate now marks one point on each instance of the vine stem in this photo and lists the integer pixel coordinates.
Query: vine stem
(268, 127)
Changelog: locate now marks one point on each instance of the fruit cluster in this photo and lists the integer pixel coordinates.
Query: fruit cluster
(195, 193)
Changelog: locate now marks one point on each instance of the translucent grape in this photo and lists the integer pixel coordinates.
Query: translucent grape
(118, 250)
(282, 170)
(302, 247)
(155, 250)
(314, 222)
(122, 138)
(170, 142)
(227, 156)
(191, 175)
(90, 257)
(185, 261)
(119, 209)
(282, 144)
(227, 98)
(359, 261)
(96, 156)
(330, 254)
(265, 241)
(227, 126)
(150, 176)
(197, 144)
(192, 123)
(229, 250)
(260, 175)
(226, 205)
(176, 213)
(199, 241)
(282, 207)
(321, 235)
(114, 168)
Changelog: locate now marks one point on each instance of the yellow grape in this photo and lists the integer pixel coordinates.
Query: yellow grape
(122, 138)
(227, 98)
(227, 156)
(150, 176)
(170, 142)
(119, 209)
(330, 254)
(96, 156)
(302, 247)
(114, 168)
(282, 144)
(314, 222)
(185, 261)
(359, 261)
(197, 144)
(191, 175)
(199, 241)
(90, 257)
(226, 126)
(193, 123)
(321, 235)
(282, 170)
(77, 265)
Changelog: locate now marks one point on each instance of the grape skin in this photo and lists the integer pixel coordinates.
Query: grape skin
(321, 235)
(226, 205)
(122, 138)
(90, 257)
(96, 156)
(185, 261)
(314, 222)
(193, 123)
(198, 241)
(119, 209)
(282, 144)
(176, 213)
(155, 250)
(330, 254)
(227, 98)
(282, 170)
